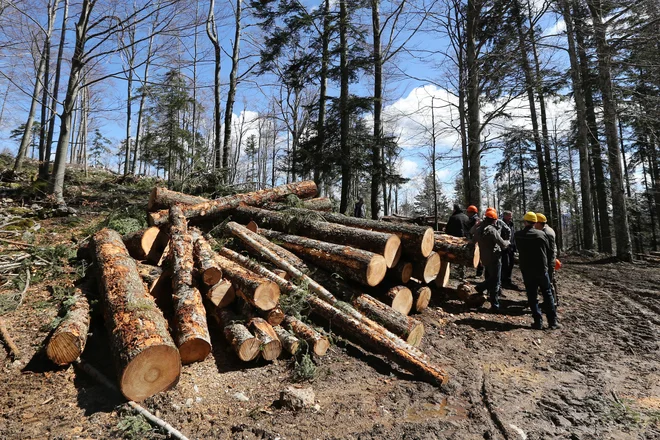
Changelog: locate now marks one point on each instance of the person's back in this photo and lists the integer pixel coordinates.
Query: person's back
(533, 251)
(360, 210)
(490, 242)
(457, 225)
(552, 242)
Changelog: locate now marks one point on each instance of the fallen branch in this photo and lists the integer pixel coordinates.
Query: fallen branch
(9, 342)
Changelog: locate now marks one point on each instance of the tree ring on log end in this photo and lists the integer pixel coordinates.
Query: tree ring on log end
(249, 349)
(193, 350)
(154, 370)
(376, 270)
(477, 255)
(267, 296)
(321, 346)
(406, 272)
(415, 336)
(442, 280)
(392, 250)
(403, 300)
(432, 267)
(428, 241)
(63, 348)
(423, 298)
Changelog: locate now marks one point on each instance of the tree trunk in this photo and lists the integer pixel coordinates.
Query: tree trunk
(421, 295)
(68, 340)
(212, 32)
(428, 269)
(585, 185)
(400, 273)
(254, 289)
(361, 266)
(317, 204)
(273, 316)
(207, 268)
(233, 81)
(344, 112)
(220, 294)
(621, 229)
(190, 327)
(245, 345)
(409, 329)
(376, 170)
(457, 250)
(289, 342)
(271, 347)
(318, 343)
(473, 185)
(380, 243)
(326, 305)
(216, 207)
(399, 298)
(146, 359)
(323, 91)
(143, 98)
(163, 198)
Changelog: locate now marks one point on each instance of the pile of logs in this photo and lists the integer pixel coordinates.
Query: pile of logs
(159, 286)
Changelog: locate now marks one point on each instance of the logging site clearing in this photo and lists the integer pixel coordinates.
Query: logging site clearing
(270, 353)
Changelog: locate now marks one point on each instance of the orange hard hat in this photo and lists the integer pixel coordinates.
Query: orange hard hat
(557, 264)
(472, 208)
(491, 213)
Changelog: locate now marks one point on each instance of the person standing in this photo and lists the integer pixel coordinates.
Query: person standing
(533, 249)
(491, 245)
(508, 254)
(474, 220)
(458, 226)
(542, 225)
(360, 210)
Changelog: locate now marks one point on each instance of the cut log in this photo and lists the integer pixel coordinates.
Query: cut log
(215, 208)
(289, 342)
(400, 298)
(323, 303)
(409, 329)
(191, 332)
(256, 290)
(425, 220)
(427, 270)
(315, 227)
(461, 292)
(244, 344)
(149, 274)
(401, 273)
(271, 347)
(317, 204)
(163, 198)
(207, 268)
(140, 243)
(69, 338)
(147, 360)
(456, 250)
(442, 279)
(415, 240)
(318, 343)
(421, 295)
(359, 265)
(274, 316)
(220, 294)
(282, 273)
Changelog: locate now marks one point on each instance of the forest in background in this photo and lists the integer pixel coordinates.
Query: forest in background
(170, 72)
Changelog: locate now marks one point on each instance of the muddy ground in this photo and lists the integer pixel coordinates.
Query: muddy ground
(597, 378)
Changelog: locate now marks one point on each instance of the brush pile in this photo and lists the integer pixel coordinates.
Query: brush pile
(273, 269)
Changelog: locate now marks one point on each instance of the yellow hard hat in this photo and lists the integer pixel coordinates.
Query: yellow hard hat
(530, 217)
(540, 218)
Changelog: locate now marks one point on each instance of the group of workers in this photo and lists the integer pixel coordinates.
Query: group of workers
(537, 251)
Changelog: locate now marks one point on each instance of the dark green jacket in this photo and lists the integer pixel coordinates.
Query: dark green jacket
(533, 251)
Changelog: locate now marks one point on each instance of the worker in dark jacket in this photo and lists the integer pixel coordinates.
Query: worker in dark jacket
(542, 225)
(457, 225)
(507, 255)
(491, 245)
(533, 249)
(473, 215)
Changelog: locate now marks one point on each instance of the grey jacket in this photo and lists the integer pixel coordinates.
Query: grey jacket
(552, 241)
(491, 243)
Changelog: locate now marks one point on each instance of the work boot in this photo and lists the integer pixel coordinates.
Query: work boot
(537, 325)
(555, 326)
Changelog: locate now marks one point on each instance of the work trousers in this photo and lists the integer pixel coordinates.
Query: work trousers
(492, 281)
(507, 266)
(532, 285)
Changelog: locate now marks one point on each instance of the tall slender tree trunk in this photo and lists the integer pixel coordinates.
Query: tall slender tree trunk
(143, 98)
(346, 174)
(43, 127)
(473, 185)
(376, 170)
(129, 114)
(621, 229)
(433, 156)
(599, 236)
(45, 165)
(212, 32)
(325, 61)
(582, 142)
(233, 80)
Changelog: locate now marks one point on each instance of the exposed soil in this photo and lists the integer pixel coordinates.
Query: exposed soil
(597, 378)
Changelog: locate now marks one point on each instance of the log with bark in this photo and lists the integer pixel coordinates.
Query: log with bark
(69, 338)
(399, 298)
(421, 295)
(424, 220)
(191, 332)
(416, 241)
(443, 276)
(359, 265)
(221, 294)
(317, 204)
(215, 208)
(271, 347)
(427, 270)
(244, 344)
(313, 226)
(163, 198)
(289, 342)
(274, 316)
(457, 250)
(207, 268)
(407, 328)
(401, 273)
(147, 360)
(256, 290)
(318, 343)
(147, 244)
(324, 304)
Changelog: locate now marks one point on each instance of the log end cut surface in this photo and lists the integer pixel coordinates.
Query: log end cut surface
(477, 255)
(321, 346)
(376, 270)
(267, 296)
(194, 350)
(403, 299)
(211, 276)
(432, 267)
(416, 334)
(64, 348)
(392, 251)
(422, 298)
(428, 241)
(442, 280)
(155, 369)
